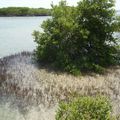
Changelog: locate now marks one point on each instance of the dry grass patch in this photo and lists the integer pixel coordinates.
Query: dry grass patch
(39, 90)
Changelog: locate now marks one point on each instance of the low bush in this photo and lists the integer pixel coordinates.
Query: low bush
(85, 108)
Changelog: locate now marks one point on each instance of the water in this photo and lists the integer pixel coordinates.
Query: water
(16, 34)
(118, 12)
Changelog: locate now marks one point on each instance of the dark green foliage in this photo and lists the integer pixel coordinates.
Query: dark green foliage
(85, 108)
(118, 55)
(24, 11)
(79, 38)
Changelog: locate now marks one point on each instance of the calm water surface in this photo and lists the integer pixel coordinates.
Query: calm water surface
(16, 34)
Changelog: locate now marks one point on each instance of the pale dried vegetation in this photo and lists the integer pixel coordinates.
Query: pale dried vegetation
(36, 91)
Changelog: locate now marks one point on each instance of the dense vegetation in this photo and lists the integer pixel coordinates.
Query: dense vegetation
(79, 38)
(24, 11)
(85, 108)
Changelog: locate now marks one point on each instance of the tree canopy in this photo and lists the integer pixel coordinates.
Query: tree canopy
(24, 11)
(79, 38)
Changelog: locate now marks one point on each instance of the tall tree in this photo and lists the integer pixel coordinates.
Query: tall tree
(79, 38)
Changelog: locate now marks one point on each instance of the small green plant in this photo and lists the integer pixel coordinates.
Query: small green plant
(85, 108)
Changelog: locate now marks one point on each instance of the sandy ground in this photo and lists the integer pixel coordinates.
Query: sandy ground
(29, 92)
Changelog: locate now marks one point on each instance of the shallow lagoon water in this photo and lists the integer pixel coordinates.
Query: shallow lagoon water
(16, 34)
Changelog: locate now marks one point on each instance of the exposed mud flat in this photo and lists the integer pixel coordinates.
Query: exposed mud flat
(29, 92)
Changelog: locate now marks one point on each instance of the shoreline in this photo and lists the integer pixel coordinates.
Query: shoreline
(16, 54)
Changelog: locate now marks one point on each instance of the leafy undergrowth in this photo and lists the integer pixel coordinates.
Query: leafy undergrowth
(36, 91)
(85, 108)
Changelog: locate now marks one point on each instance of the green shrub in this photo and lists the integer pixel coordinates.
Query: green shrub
(79, 38)
(117, 55)
(85, 108)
